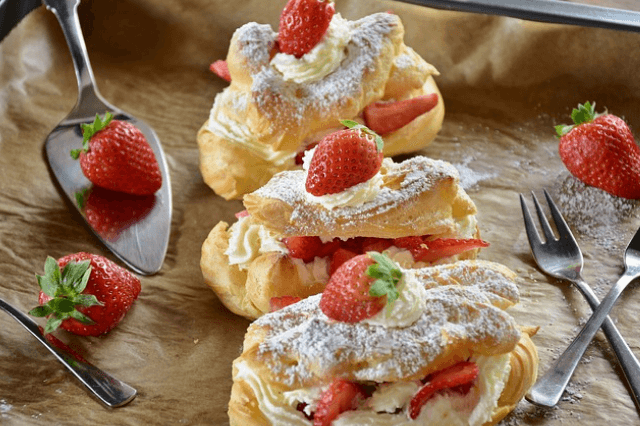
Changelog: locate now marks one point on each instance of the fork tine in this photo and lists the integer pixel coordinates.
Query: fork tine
(529, 226)
(561, 225)
(546, 228)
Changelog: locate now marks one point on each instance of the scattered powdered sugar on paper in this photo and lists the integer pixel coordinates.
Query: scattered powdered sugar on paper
(469, 177)
(592, 212)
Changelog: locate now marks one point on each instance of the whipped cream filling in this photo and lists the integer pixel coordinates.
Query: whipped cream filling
(228, 128)
(405, 310)
(324, 58)
(388, 405)
(248, 240)
(356, 195)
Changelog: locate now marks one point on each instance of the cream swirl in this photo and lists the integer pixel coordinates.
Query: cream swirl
(248, 240)
(320, 61)
(405, 310)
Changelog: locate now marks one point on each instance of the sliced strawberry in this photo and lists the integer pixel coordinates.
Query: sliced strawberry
(221, 69)
(303, 24)
(376, 244)
(386, 117)
(339, 257)
(341, 396)
(343, 159)
(241, 214)
(305, 248)
(279, 302)
(459, 374)
(431, 251)
(360, 288)
(329, 248)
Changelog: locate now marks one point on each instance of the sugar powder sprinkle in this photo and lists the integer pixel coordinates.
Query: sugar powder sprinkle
(592, 212)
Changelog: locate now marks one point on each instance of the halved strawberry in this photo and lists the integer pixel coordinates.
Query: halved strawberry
(459, 374)
(341, 396)
(305, 248)
(430, 251)
(279, 302)
(221, 69)
(343, 159)
(360, 288)
(386, 117)
(302, 25)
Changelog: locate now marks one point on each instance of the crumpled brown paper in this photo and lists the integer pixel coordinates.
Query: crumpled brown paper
(505, 84)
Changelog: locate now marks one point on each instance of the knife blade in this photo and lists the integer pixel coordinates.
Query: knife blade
(12, 12)
(552, 11)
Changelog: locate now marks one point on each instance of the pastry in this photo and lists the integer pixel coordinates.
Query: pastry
(288, 241)
(446, 353)
(277, 104)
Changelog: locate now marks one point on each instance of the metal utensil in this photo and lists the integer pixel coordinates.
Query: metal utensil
(109, 390)
(561, 258)
(554, 11)
(142, 245)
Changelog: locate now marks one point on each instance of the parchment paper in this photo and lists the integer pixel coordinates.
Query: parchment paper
(505, 84)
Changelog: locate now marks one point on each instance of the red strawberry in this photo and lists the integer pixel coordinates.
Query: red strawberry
(221, 69)
(360, 288)
(423, 250)
(109, 212)
(279, 302)
(302, 25)
(343, 159)
(116, 155)
(241, 214)
(600, 150)
(85, 294)
(376, 244)
(341, 396)
(459, 374)
(385, 117)
(305, 248)
(339, 257)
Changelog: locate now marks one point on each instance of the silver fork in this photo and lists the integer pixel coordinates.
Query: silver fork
(561, 258)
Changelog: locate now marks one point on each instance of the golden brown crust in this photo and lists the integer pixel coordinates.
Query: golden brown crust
(278, 118)
(244, 409)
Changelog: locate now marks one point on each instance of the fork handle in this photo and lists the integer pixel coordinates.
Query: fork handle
(626, 358)
(549, 388)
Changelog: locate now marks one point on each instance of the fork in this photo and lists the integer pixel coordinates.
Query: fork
(562, 258)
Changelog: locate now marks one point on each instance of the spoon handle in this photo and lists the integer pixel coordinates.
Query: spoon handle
(66, 11)
(110, 391)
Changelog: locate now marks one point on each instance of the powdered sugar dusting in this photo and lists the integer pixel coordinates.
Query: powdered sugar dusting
(469, 177)
(302, 344)
(593, 212)
(419, 175)
(345, 83)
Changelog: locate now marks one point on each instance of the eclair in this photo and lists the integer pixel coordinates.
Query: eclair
(278, 104)
(444, 352)
(289, 241)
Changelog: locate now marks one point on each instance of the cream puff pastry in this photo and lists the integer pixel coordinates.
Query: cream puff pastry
(446, 316)
(252, 261)
(277, 104)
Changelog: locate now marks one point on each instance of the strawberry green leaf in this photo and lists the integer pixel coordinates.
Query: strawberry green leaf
(52, 324)
(79, 316)
(41, 311)
(387, 275)
(354, 125)
(88, 130)
(87, 300)
(584, 113)
(76, 274)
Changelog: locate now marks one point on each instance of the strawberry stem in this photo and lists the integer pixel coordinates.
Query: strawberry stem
(88, 130)
(583, 114)
(387, 275)
(354, 125)
(64, 288)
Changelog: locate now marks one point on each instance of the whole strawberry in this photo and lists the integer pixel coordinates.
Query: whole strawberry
(360, 288)
(85, 294)
(116, 155)
(302, 25)
(344, 159)
(600, 150)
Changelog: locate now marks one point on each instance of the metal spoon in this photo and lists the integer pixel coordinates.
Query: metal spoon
(142, 245)
(109, 390)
